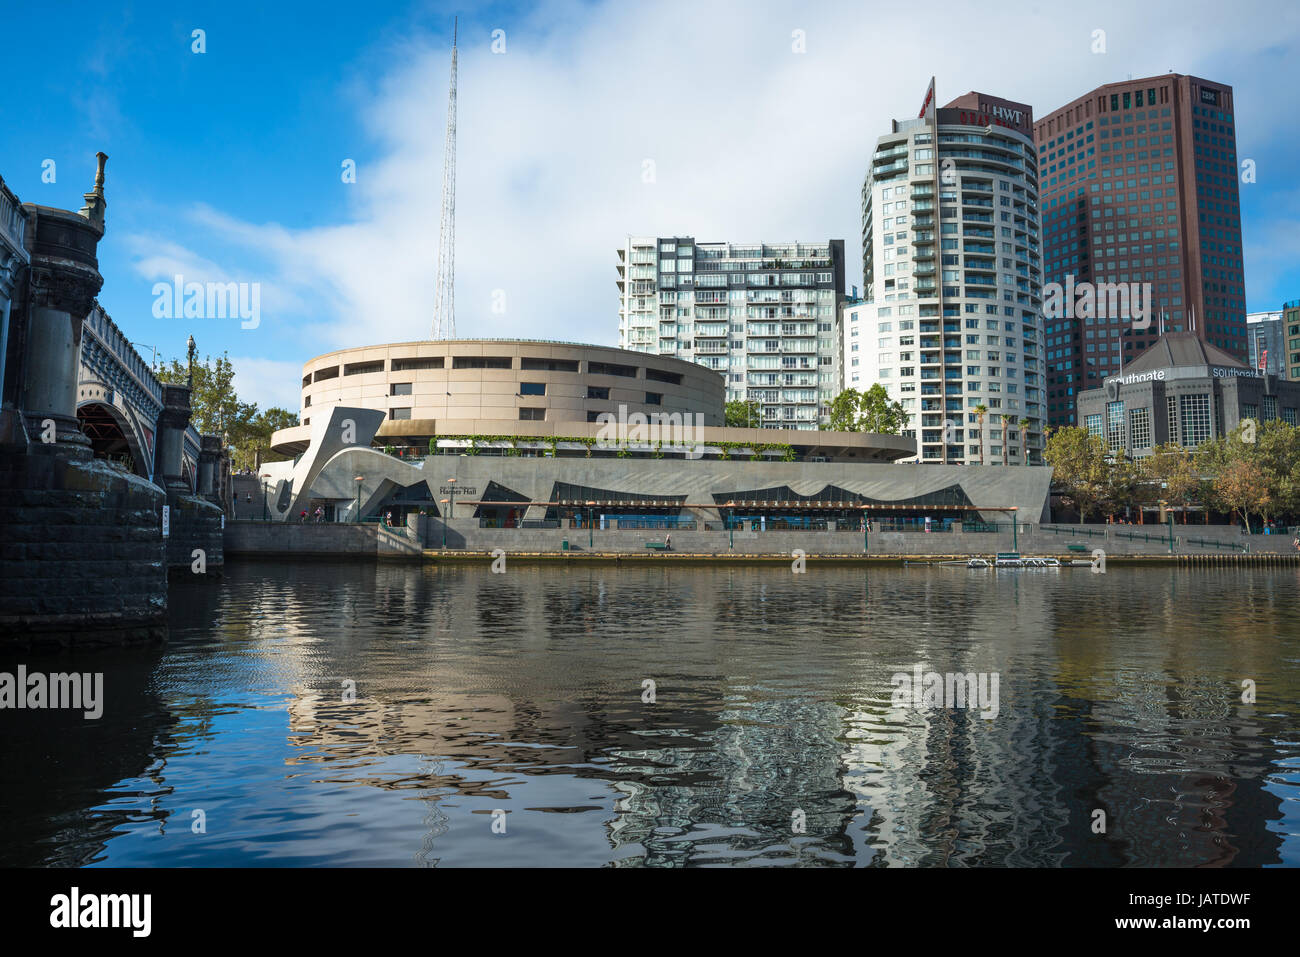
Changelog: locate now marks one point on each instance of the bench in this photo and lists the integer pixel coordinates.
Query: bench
(657, 546)
(1078, 548)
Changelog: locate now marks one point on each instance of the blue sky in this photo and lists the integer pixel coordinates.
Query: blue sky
(226, 165)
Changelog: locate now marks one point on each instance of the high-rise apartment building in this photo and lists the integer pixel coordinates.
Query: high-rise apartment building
(765, 316)
(1139, 185)
(1266, 339)
(951, 324)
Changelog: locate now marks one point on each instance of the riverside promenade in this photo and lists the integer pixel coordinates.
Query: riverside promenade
(433, 540)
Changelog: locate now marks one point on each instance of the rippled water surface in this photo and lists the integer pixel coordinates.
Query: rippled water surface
(522, 693)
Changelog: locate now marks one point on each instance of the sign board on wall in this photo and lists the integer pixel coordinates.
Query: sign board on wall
(167, 520)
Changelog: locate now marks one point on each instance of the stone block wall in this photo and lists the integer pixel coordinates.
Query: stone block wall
(81, 554)
(195, 524)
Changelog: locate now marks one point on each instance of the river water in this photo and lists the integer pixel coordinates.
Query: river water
(418, 716)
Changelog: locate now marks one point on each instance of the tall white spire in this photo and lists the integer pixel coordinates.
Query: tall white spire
(444, 296)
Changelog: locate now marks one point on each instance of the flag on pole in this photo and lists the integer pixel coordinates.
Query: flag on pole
(927, 107)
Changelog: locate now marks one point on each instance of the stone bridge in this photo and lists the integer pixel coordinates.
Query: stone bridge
(106, 491)
(120, 401)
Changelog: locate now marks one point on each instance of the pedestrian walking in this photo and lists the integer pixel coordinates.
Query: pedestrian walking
(668, 542)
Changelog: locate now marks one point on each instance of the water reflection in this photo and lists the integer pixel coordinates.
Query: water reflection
(522, 693)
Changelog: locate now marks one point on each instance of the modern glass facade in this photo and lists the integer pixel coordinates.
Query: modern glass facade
(764, 316)
(1266, 339)
(1140, 184)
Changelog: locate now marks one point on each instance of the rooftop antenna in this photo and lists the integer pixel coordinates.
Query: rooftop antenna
(444, 295)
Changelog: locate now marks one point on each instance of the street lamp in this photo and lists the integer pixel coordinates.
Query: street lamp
(190, 350)
(443, 501)
(451, 502)
(359, 479)
(591, 531)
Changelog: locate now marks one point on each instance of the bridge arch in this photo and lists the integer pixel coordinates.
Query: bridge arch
(112, 435)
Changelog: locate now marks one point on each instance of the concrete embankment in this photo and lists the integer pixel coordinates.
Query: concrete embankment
(463, 540)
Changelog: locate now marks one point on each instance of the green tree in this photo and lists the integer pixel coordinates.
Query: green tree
(252, 440)
(743, 414)
(217, 410)
(1242, 486)
(1023, 425)
(876, 413)
(1277, 452)
(981, 410)
(870, 411)
(1175, 475)
(1006, 425)
(214, 404)
(844, 411)
(1080, 469)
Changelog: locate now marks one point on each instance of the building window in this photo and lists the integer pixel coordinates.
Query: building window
(400, 388)
(532, 415)
(1139, 425)
(611, 368)
(654, 398)
(1195, 419)
(481, 362)
(402, 413)
(532, 388)
(1270, 407)
(548, 365)
(1114, 425)
(409, 365)
(597, 392)
(1094, 424)
(1171, 418)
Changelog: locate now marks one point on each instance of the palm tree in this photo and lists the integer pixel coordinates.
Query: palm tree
(1024, 441)
(1006, 424)
(980, 411)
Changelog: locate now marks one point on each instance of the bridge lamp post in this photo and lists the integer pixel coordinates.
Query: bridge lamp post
(359, 479)
(190, 350)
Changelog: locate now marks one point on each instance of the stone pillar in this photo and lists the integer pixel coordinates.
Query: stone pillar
(209, 457)
(170, 442)
(64, 282)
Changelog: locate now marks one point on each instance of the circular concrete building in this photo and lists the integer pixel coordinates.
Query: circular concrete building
(492, 385)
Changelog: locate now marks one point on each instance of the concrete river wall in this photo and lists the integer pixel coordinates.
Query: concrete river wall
(424, 539)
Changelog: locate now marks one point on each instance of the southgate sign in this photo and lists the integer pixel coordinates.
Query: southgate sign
(1185, 372)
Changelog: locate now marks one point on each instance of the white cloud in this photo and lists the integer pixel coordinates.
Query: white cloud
(750, 140)
(270, 382)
